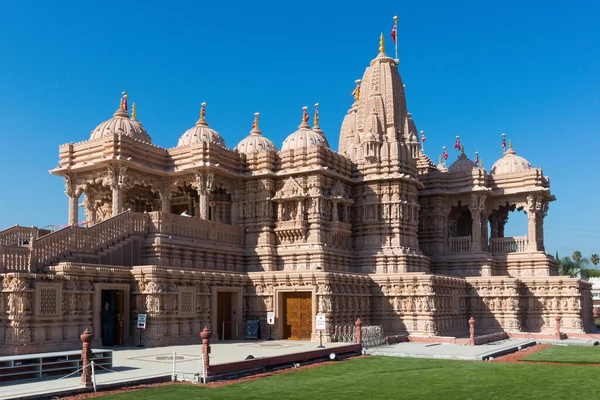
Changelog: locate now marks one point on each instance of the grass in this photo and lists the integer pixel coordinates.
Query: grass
(399, 378)
(567, 355)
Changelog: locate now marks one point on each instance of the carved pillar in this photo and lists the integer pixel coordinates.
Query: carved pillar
(532, 230)
(165, 199)
(117, 181)
(358, 331)
(73, 194)
(472, 331)
(476, 227)
(204, 185)
(484, 230)
(205, 335)
(540, 226)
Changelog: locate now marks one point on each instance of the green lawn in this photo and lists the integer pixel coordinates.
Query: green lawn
(400, 378)
(567, 354)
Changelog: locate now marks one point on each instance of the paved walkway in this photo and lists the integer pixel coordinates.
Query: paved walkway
(452, 351)
(131, 364)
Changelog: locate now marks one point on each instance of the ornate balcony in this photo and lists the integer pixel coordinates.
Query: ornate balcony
(289, 231)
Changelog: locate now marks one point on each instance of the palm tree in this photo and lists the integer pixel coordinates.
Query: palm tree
(576, 256)
(594, 259)
(566, 266)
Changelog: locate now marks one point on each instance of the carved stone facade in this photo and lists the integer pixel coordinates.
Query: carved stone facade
(200, 234)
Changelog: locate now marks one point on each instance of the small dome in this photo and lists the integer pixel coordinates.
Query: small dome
(255, 142)
(511, 163)
(201, 133)
(304, 137)
(463, 164)
(120, 123)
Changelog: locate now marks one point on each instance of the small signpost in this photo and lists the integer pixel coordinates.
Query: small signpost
(252, 328)
(141, 324)
(270, 322)
(320, 328)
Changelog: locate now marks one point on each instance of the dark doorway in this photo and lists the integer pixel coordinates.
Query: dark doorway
(225, 323)
(111, 317)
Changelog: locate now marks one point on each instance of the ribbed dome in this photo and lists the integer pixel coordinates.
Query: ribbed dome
(463, 164)
(304, 137)
(255, 142)
(201, 133)
(120, 123)
(511, 163)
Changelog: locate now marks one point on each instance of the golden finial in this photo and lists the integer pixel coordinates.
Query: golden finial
(396, 18)
(304, 114)
(255, 123)
(356, 91)
(133, 111)
(121, 103)
(480, 163)
(316, 115)
(510, 144)
(381, 44)
(441, 157)
(463, 148)
(203, 110)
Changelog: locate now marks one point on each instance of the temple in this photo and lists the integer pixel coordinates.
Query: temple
(203, 234)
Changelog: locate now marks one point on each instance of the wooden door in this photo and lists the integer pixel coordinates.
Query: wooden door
(297, 310)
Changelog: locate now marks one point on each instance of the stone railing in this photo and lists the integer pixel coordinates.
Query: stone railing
(517, 244)
(177, 225)
(74, 239)
(17, 236)
(291, 230)
(459, 244)
(14, 259)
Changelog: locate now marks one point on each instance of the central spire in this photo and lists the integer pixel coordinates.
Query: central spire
(381, 44)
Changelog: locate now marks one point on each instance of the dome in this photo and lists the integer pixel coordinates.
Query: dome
(255, 141)
(463, 164)
(305, 137)
(120, 123)
(201, 133)
(511, 163)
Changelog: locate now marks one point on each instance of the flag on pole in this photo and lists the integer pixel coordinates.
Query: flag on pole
(255, 123)
(125, 96)
(394, 31)
(503, 141)
(477, 158)
(203, 110)
(423, 136)
(445, 154)
(457, 143)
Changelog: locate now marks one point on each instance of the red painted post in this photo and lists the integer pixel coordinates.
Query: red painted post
(358, 331)
(86, 357)
(557, 319)
(205, 335)
(472, 331)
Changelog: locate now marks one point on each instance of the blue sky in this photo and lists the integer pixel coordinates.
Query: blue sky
(471, 68)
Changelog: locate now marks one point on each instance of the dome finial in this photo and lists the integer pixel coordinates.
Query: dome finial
(305, 118)
(381, 44)
(356, 91)
(463, 148)
(125, 96)
(133, 111)
(202, 120)
(510, 144)
(255, 124)
(316, 115)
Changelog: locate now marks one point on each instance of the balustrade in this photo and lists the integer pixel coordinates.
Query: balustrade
(517, 244)
(17, 236)
(14, 259)
(459, 244)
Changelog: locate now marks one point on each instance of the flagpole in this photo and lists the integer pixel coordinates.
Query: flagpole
(396, 29)
(422, 142)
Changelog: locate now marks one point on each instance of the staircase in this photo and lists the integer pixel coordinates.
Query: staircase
(30, 249)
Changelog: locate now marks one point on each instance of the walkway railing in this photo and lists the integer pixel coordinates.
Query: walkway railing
(17, 236)
(372, 335)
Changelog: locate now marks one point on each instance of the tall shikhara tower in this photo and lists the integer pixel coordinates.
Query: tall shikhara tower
(380, 138)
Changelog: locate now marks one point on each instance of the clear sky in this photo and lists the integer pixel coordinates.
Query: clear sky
(471, 68)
